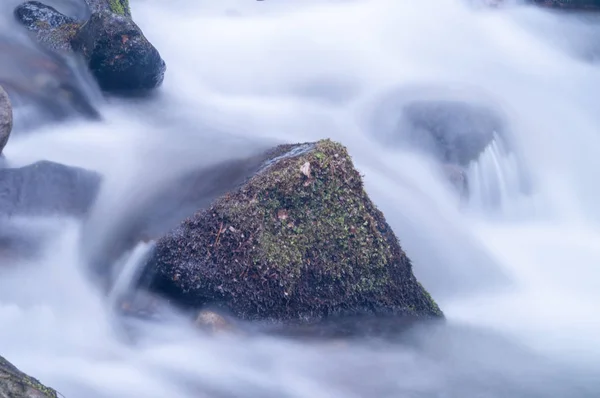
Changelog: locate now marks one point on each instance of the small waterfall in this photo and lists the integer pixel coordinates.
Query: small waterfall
(497, 181)
(127, 271)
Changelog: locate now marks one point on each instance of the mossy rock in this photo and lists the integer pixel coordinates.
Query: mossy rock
(16, 384)
(299, 241)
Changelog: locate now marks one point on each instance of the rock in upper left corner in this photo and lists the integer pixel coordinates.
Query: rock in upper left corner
(117, 53)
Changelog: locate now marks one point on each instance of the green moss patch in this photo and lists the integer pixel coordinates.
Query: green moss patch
(120, 7)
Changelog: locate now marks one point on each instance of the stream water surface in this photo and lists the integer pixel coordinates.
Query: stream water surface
(516, 271)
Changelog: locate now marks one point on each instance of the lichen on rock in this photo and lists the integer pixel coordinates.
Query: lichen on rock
(300, 240)
(16, 384)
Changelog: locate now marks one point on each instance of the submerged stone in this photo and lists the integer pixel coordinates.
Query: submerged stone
(44, 85)
(16, 384)
(213, 322)
(6, 119)
(451, 128)
(299, 241)
(47, 188)
(455, 132)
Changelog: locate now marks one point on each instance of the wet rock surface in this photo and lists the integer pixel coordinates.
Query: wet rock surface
(47, 188)
(6, 119)
(300, 241)
(51, 28)
(114, 47)
(36, 15)
(16, 384)
(118, 53)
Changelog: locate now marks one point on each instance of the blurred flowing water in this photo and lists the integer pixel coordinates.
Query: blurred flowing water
(515, 265)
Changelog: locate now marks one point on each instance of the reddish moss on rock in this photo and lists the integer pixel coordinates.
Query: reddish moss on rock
(301, 240)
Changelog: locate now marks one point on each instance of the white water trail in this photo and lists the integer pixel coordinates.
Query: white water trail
(497, 183)
(520, 288)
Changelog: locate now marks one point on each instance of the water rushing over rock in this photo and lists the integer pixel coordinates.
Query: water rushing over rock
(44, 86)
(517, 281)
(496, 179)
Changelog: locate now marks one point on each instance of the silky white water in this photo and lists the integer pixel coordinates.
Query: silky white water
(519, 281)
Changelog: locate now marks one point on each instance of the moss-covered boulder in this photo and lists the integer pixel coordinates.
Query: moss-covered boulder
(299, 241)
(16, 384)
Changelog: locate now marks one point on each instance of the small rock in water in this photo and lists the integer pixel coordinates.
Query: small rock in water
(46, 188)
(455, 132)
(212, 322)
(6, 119)
(16, 384)
(454, 129)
